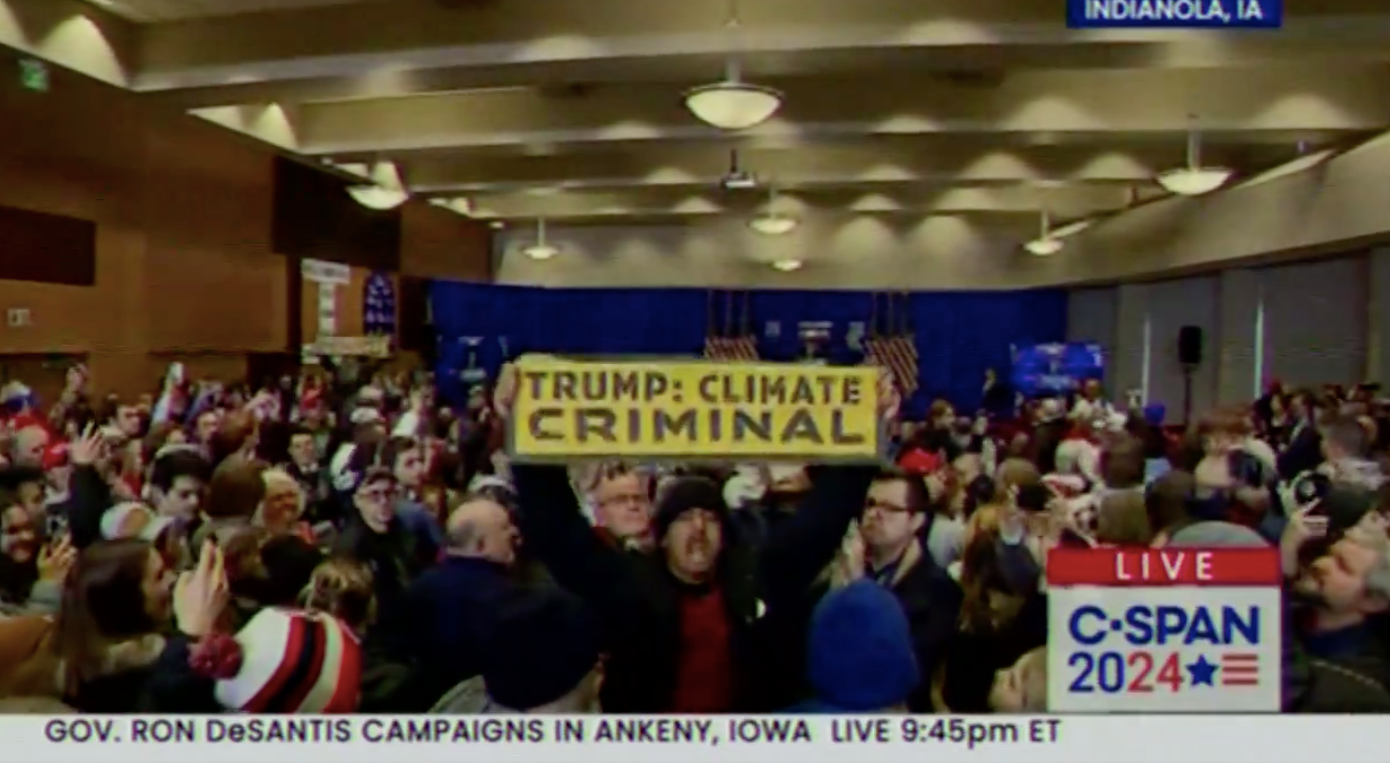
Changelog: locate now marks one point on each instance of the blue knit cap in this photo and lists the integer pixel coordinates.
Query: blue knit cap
(859, 655)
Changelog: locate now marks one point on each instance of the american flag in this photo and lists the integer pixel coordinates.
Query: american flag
(1240, 669)
(728, 348)
(732, 341)
(899, 355)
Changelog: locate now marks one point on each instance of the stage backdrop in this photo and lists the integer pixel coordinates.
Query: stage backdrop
(958, 334)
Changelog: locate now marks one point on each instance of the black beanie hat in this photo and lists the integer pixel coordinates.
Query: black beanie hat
(684, 494)
(544, 644)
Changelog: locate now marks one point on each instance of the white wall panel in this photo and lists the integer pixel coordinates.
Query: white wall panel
(1131, 368)
(1233, 347)
(1172, 305)
(1378, 316)
(1315, 321)
(1093, 316)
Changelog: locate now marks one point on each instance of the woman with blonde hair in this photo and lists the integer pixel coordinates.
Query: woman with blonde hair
(342, 588)
(288, 552)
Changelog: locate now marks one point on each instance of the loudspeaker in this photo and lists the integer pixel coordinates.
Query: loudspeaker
(1190, 345)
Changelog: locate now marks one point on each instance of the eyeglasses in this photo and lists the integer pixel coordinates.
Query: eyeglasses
(380, 495)
(884, 507)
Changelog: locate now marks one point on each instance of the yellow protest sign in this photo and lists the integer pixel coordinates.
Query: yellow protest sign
(694, 410)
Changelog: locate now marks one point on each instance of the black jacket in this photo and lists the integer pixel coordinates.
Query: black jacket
(1349, 683)
(392, 557)
(442, 625)
(932, 602)
(639, 601)
(88, 499)
(1304, 452)
(973, 657)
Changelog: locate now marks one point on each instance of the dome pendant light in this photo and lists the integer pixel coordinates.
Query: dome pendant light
(1194, 179)
(733, 104)
(771, 222)
(540, 250)
(386, 190)
(1046, 244)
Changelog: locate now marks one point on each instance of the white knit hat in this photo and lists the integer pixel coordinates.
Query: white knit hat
(132, 519)
(294, 662)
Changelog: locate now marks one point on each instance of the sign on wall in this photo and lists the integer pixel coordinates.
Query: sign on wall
(321, 271)
(379, 305)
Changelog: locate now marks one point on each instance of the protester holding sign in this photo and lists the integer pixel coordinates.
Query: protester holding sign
(685, 621)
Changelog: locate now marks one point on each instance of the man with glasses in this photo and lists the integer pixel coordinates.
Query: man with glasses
(376, 537)
(622, 505)
(896, 518)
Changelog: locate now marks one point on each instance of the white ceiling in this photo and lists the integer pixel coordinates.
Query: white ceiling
(900, 108)
(150, 11)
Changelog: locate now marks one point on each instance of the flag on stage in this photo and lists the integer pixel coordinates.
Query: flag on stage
(897, 349)
(732, 339)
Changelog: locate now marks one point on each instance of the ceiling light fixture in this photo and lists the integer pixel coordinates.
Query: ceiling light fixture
(460, 205)
(1046, 244)
(386, 191)
(540, 250)
(771, 222)
(733, 104)
(787, 265)
(1194, 179)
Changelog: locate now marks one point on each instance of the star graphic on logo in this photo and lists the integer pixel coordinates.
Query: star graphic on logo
(1203, 672)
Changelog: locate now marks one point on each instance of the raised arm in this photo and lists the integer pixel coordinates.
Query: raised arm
(553, 525)
(797, 549)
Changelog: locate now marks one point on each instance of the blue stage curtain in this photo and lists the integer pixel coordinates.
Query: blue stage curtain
(510, 320)
(959, 334)
(787, 310)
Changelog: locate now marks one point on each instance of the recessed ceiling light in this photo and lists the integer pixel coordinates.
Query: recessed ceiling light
(497, 225)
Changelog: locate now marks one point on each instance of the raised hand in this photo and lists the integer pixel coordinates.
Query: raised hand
(201, 595)
(89, 448)
(56, 559)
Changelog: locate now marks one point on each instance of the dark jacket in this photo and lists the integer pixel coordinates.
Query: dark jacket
(88, 499)
(639, 601)
(391, 556)
(973, 657)
(1303, 453)
(932, 602)
(442, 625)
(1349, 682)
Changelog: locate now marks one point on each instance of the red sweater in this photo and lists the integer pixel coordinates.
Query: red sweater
(704, 676)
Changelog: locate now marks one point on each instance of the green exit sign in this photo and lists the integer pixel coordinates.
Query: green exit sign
(33, 74)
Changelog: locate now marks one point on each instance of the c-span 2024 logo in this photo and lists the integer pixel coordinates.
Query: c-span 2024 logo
(1164, 630)
(1175, 14)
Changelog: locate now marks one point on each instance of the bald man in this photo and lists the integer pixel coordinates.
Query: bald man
(450, 612)
(29, 444)
(481, 528)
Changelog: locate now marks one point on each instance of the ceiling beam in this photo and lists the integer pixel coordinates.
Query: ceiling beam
(684, 68)
(1066, 202)
(693, 167)
(387, 39)
(72, 34)
(1270, 99)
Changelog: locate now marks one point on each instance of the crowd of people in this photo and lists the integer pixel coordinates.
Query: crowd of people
(342, 542)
